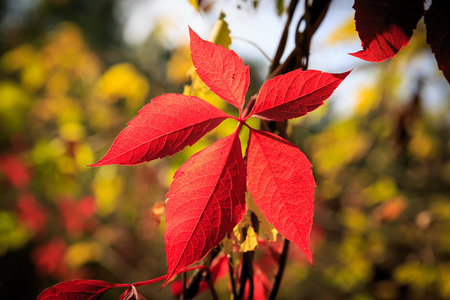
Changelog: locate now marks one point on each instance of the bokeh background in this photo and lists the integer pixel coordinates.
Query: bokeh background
(73, 72)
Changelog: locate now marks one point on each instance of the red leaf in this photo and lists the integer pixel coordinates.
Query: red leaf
(76, 289)
(205, 201)
(282, 185)
(438, 34)
(163, 127)
(295, 94)
(221, 70)
(385, 26)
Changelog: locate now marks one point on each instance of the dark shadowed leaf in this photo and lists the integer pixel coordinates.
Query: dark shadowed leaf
(437, 20)
(385, 26)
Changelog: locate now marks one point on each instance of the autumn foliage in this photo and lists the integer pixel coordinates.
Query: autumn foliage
(207, 197)
(237, 198)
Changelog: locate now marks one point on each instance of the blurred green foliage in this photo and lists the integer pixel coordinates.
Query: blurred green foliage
(382, 216)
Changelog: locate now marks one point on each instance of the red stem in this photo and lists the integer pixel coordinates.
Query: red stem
(147, 282)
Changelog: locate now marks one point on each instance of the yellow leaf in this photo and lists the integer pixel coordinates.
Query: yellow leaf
(220, 34)
(194, 4)
(266, 228)
(227, 245)
(250, 242)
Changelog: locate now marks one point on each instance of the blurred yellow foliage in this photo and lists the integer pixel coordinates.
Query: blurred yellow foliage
(11, 234)
(422, 145)
(338, 146)
(13, 106)
(343, 33)
(416, 274)
(106, 186)
(179, 65)
(84, 252)
(123, 81)
(354, 219)
(368, 99)
(385, 188)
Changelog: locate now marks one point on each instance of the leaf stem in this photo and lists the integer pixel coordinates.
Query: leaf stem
(147, 282)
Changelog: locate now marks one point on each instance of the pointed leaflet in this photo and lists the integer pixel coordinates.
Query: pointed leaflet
(437, 21)
(221, 70)
(282, 185)
(385, 26)
(163, 127)
(294, 94)
(76, 289)
(205, 201)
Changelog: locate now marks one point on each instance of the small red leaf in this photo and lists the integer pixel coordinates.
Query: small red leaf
(295, 94)
(385, 26)
(220, 69)
(76, 289)
(282, 185)
(205, 201)
(163, 127)
(438, 34)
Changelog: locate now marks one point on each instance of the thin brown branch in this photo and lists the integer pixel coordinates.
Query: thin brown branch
(284, 36)
(282, 264)
(232, 281)
(211, 286)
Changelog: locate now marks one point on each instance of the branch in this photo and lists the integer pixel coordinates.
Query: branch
(313, 16)
(232, 281)
(282, 264)
(284, 36)
(193, 286)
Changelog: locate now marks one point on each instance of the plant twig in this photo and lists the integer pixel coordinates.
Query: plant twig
(193, 285)
(211, 286)
(232, 281)
(284, 36)
(282, 264)
(253, 44)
